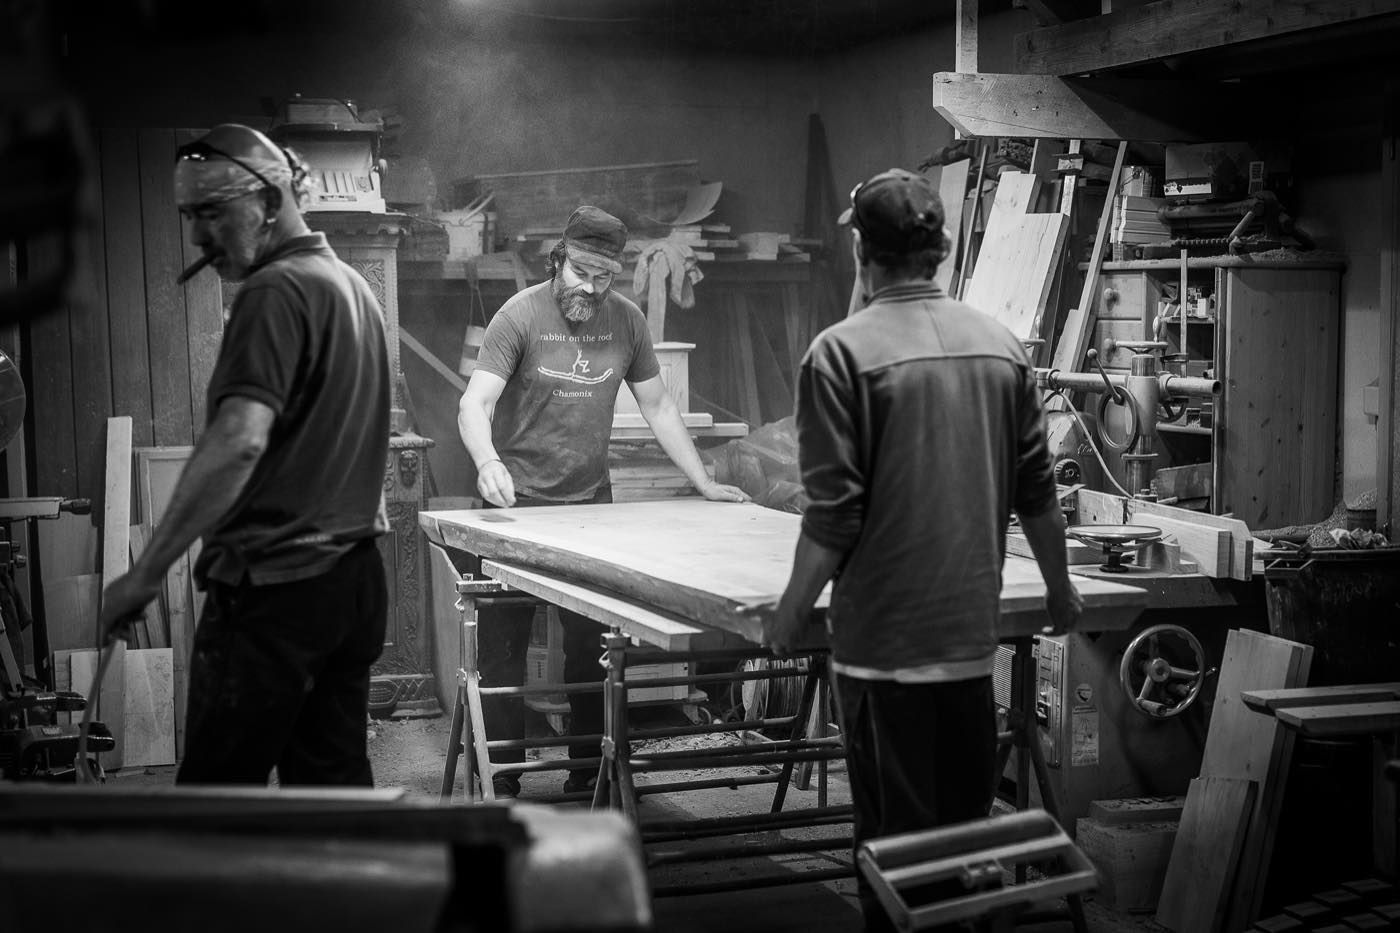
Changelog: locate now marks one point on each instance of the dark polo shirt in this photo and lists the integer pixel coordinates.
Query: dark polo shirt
(919, 430)
(306, 338)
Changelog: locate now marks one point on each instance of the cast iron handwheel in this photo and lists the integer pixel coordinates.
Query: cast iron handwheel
(1177, 686)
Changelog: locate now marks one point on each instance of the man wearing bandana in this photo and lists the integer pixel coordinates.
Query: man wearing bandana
(284, 486)
(536, 419)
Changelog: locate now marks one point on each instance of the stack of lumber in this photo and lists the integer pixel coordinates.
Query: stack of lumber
(645, 472)
(1135, 221)
(1018, 259)
(1129, 840)
(1220, 860)
(136, 698)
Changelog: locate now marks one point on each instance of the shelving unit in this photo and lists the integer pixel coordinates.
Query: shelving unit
(1271, 337)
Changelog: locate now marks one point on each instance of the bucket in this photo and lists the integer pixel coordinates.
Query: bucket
(1344, 603)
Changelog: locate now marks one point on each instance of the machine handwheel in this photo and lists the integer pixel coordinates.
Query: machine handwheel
(1156, 684)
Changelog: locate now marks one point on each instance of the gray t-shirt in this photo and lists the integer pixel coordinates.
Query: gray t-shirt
(554, 417)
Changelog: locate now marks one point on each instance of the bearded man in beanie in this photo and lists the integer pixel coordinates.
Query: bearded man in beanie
(284, 485)
(889, 403)
(536, 419)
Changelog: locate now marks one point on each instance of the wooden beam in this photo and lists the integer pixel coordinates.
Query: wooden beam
(965, 33)
(1169, 28)
(1054, 12)
(1089, 108)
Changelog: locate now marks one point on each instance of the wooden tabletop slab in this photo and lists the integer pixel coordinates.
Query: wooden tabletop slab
(708, 561)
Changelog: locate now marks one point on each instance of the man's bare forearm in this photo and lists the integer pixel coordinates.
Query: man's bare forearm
(1046, 535)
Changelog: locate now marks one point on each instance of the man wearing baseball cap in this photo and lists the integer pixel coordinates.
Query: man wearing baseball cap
(919, 430)
(536, 419)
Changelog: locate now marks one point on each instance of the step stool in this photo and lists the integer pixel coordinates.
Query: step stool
(957, 873)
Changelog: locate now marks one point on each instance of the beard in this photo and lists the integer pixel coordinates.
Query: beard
(575, 304)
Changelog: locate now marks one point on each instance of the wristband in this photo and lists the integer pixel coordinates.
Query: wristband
(481, 466)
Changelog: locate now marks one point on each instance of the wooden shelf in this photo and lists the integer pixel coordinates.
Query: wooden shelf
(1185, 429)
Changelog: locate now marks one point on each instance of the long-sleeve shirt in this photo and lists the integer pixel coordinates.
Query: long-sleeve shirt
(919, 430)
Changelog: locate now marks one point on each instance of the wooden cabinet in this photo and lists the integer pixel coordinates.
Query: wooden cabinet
(1269, 332)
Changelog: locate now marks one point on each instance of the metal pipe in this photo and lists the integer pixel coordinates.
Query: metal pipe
(1073, 382)
(1194, 386)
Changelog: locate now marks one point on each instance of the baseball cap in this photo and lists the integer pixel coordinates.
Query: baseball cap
(594, 237)
(897, 211)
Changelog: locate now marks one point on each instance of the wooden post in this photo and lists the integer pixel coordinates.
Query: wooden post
(1388, 413)
(965, 55)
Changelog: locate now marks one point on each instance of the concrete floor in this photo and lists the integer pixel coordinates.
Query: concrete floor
(409, 753)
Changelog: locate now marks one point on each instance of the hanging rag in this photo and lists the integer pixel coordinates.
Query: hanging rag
(671, 263)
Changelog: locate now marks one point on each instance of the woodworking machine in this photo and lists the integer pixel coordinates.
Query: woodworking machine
(1146, 395)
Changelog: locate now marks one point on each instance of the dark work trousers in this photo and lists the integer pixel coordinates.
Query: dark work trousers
(503, 637)
(918, 756)
(279, 677)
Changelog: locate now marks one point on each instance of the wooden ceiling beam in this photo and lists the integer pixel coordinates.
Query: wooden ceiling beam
(1051, 12)
(1132, 109)
(1032, 106)
(1168, 28)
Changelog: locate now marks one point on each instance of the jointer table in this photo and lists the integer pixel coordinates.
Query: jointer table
(680, 575)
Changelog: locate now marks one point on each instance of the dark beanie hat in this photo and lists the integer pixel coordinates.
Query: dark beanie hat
(897, 211)
(594, 237)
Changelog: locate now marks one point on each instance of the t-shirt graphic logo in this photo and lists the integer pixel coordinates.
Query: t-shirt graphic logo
(579, 373)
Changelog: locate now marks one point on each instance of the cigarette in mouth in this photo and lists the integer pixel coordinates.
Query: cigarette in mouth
(193, 268)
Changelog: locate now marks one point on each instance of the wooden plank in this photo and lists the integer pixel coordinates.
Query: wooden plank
(1074, 342)
(707, 561)
(1269, 701)
(147, 710)
(1208, 547)
(1244, 745)
(167, 326)
(1169, 28)
(1039, 106)
(126, 282)
(429, 357)
(157, 471)
(153, 622)
(952, 191)
(70, 610)
(116, 560)
(91, 360)
(1342, 719)
(204, 316)
(965, 37)
(1242, 541)
(1206, 854)
(51, 385)
(1018, 258)
(662, 630)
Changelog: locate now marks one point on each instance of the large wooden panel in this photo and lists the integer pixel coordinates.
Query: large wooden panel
(1205, 854)
(1251, 746)
(1017, 260)
(707, 561)
(1280, 376)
